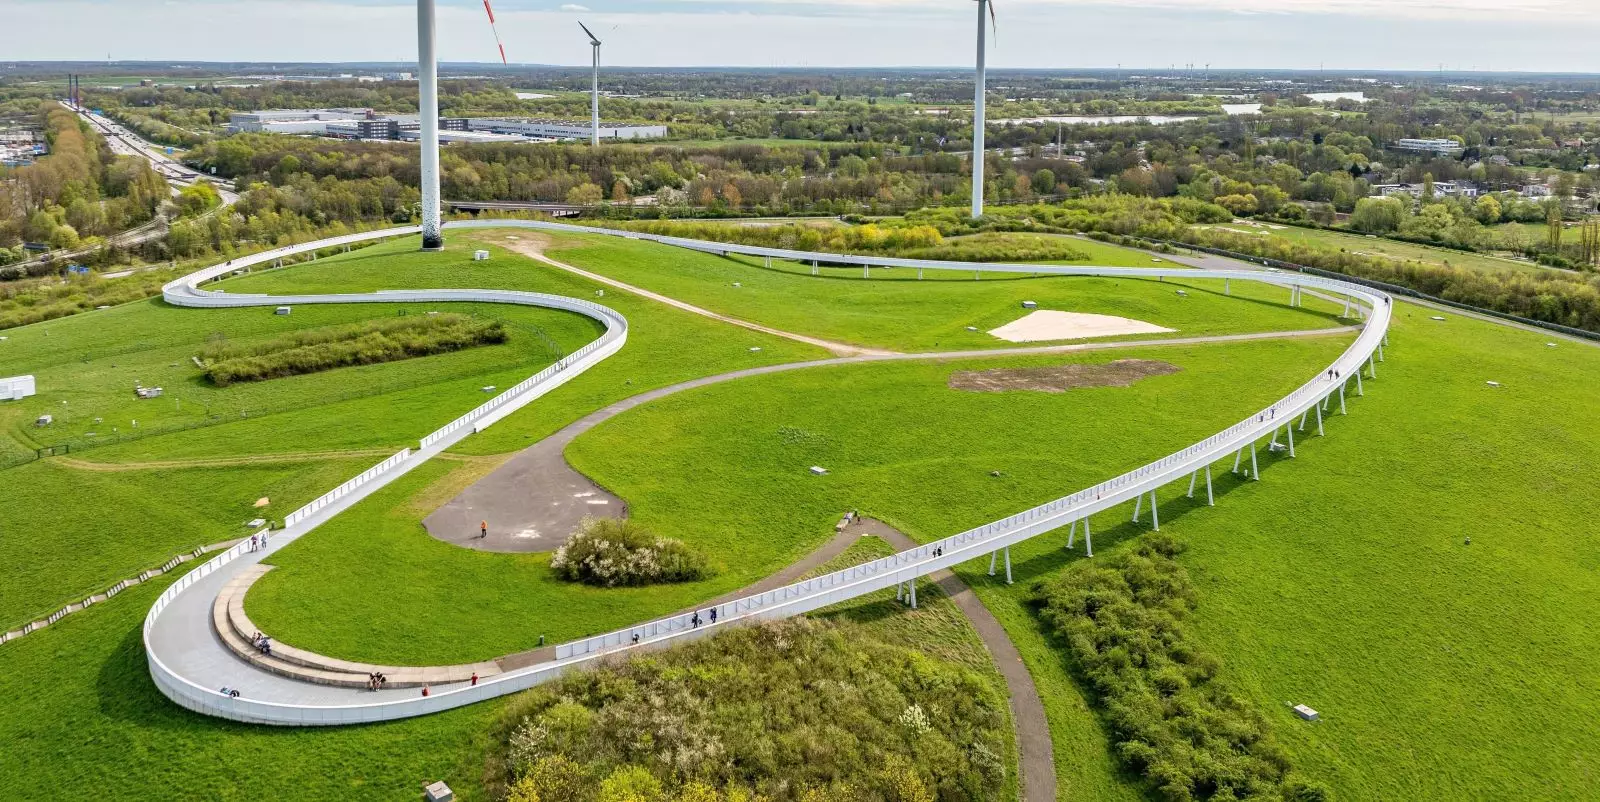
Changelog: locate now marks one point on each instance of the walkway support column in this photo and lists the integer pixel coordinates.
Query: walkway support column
(1138, 504)
(1155, 514)
(1008, 565)
(913, 584)
(1320, 433)
(992, 556)
(1210, 499)
(1192, 477)
(428, 109)
(1255, 468)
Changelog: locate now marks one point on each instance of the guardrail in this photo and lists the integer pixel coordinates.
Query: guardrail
(789, 600)
(346, 489)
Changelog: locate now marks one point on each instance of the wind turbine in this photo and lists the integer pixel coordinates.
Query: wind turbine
(594, 91)
(428, 110)
(977, 111)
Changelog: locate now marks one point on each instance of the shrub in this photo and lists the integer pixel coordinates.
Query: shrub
(792, 711)
(331, 347)
(1174, 721)
(612, 553)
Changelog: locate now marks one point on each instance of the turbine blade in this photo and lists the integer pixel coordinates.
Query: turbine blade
(592, 39)
(490, 10)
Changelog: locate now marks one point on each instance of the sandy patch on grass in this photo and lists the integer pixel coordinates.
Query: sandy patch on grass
(1047, 324)
(1060, 378)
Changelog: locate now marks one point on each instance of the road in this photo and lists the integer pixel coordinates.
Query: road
(125, 143)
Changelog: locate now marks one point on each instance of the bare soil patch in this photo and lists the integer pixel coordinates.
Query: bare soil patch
(1060, 378)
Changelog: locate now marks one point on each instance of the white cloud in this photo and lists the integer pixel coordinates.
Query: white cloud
(573, 7)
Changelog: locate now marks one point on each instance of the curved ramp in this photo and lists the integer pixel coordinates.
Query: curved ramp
(189, 666)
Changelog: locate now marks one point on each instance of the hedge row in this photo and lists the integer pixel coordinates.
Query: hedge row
(331, 347)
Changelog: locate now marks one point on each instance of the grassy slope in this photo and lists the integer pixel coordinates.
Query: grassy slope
(118, 524)
(1342, 581)
(710, 466)
(87, 366)
(932, 314)
(1318, 587)
(1379, 246)
(655, 354)
(81, 709)
(82, 720)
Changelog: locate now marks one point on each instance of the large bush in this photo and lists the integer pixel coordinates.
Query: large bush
(1173, 720)
(797, 710)
(354, 344)
(612, 553)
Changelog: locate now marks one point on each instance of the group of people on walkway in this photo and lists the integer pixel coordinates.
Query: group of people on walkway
(695, 619)
(262, 643)
(376, 680)
(258, 542)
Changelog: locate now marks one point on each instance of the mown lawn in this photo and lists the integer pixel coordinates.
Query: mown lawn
(68, 533)
(896, 311)
(1342, 580)
(82, 720)
(88, 365)
(724, 468)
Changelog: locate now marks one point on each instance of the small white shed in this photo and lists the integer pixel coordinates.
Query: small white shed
(16, 388)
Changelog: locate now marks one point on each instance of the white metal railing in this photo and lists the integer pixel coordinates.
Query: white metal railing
(346, 489)
(789, 600)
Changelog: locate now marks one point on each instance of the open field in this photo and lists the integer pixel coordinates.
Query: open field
(1341, 580)
(1394, 249)
(723, 468)
(70, 532)
(88, 365)
(1419, 650)
(902, 313)
(655, 355)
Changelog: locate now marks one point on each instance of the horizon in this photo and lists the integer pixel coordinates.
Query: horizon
(1521, 37)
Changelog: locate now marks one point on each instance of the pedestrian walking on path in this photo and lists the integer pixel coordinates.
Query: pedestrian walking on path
(483, 529)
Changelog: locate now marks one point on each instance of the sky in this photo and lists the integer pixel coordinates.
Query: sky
(1487, 35)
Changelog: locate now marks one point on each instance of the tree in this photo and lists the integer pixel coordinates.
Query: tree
(730, 193)
(1044, 181)
(585, 194)
(619, 192)
(198, 198)
(1428, 193)
(1487, 210)
(1239, 204)
(1377, 215)
(1590, 240)
(1552, 223)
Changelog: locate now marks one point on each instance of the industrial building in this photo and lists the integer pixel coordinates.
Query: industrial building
(356, 123)
(294, 121)
(1438, 147)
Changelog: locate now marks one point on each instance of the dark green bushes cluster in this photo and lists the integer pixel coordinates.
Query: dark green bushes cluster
(1111, 213)
(794, 710)
(1122, 621)
(341, 346)
(618, 553)
(1553, 297)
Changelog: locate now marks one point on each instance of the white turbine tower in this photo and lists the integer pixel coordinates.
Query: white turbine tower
(985, 16)
(428, 109)
(594, 89)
